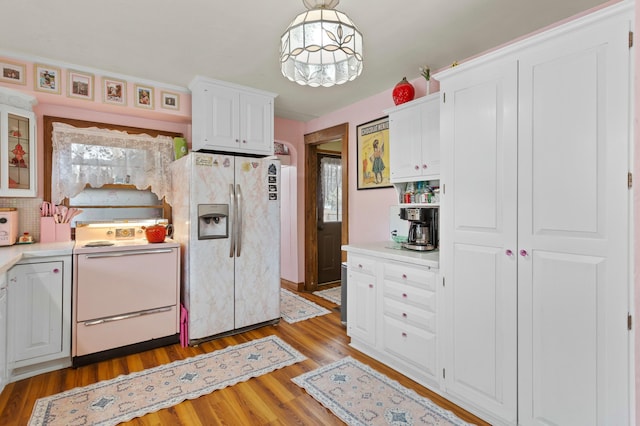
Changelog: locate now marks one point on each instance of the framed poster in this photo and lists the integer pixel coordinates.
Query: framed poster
(170, 100)
(373, 154)
(12, 72)
(143, 96)
(47, 79)
(114, 91)
(80, 85)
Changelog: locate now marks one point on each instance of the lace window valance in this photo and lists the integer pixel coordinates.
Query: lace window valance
(98, 156)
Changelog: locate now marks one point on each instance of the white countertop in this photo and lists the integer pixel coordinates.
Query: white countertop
(10, 255)
(393, 251)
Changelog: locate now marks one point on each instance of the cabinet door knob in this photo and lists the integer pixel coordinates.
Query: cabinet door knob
(244, 141)
(404, 276)
(237, 140)
(56, 270)
(417, 167)
(508, 252)
(424, 166)
(404, 295)
(404, 315)
(360, 265)
(404, 334)
(370, 285)
(523, 253)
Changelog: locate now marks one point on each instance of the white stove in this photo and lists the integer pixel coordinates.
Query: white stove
(126, 290)
(94, 237)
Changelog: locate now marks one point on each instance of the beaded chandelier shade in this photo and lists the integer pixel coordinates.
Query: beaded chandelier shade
(321, 47)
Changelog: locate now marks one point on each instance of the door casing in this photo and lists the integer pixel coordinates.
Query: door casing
(311, 142)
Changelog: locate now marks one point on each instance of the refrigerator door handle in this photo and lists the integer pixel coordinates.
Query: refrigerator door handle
(232, 204)
(239, 203)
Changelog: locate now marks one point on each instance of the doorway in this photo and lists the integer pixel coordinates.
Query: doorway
(312, 142)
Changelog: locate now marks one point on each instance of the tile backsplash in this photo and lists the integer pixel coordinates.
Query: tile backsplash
(28, 214)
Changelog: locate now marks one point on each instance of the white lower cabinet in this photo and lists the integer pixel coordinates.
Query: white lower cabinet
(39, 316)
(4, 377)
(361, 300)
(392, 314)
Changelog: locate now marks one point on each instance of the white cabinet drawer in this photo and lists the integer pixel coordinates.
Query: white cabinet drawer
(411, 315)
(410, 344)
(362, 264)
(421, 277)
(410, 294)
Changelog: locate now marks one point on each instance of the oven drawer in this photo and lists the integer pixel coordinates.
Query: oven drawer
(91, 338)
(115, 283)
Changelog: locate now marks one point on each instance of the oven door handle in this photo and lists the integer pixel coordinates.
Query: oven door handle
(128, 316)
(127, 253)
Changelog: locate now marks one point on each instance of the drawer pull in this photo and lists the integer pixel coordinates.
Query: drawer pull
(56, 270)
(404, 334)
(370, 285)
(404, 315)
(404, 295)
(360, 265)
(404, 276)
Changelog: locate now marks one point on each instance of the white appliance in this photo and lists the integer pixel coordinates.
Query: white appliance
(8, 226)
(126, 292)
(226, 216)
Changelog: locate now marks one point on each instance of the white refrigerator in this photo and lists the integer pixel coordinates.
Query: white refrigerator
(226, 217)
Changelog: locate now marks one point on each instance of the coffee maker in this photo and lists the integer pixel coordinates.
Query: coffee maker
(423, 228)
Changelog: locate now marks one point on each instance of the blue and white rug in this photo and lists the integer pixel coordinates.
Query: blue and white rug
(294, 308)
(333, 294)
(126, 397)
(359, 395)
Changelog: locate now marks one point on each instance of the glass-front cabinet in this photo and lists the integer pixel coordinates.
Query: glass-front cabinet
(17, 144)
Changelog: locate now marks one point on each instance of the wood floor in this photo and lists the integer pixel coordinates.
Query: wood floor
(272, 399)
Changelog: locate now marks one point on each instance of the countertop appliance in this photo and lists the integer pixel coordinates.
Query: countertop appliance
(226, 216)
(423, 228)
(126, 292)
(8, 226)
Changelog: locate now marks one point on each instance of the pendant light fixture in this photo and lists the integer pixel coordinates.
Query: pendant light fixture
(321, 47)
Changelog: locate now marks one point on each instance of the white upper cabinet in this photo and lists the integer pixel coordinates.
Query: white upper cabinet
(414, 139)
(231, 118)
(17, 144)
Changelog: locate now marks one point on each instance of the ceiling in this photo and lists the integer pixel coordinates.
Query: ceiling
(171, 41)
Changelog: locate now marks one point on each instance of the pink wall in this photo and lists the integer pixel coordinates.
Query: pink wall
(292, 133)
(368, 209)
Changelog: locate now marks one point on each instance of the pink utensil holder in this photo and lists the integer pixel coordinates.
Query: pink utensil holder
(51, 232)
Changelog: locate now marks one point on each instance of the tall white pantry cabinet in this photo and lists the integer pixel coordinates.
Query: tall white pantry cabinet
(535, 227)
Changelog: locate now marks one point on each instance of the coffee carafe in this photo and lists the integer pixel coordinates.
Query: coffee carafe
(423, 228)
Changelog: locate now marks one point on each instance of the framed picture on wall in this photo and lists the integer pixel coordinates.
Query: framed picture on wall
(11, 72)
(80, 85)
(47, 78)
(373, 154)
(143, 96)
(170, 100)
(114, 91)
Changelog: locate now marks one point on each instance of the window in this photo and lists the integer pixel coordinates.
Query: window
(331, 187)
(110, 172)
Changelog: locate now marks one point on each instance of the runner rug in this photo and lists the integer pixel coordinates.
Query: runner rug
(359, 395)
(331, 294)
(294, 308)
(129, 396)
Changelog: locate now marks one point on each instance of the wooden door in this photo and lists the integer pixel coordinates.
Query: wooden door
(478, 238)
(573, 269)
(329, 218)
